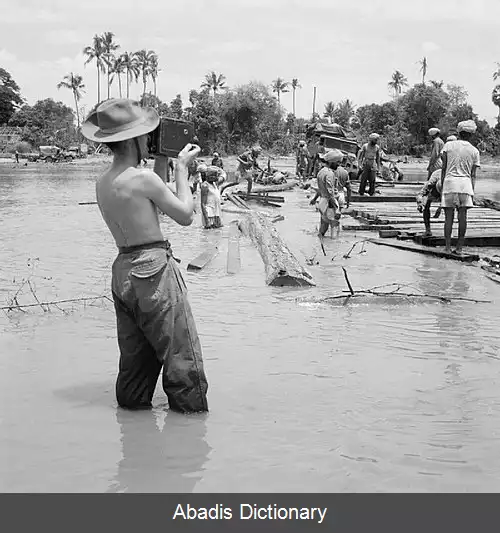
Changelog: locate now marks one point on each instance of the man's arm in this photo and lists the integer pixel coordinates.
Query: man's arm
(444, 158)
(361, 156)
(475, 165)
(378, 159)
(181, 207)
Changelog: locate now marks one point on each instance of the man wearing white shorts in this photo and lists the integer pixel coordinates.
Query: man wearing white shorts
(458, 177)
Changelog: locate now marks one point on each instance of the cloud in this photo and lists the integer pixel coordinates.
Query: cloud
(23, 14)
(429, 47)
(62, 36)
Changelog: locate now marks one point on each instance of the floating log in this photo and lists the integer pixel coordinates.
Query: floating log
(87, 203)
(412, 247)
(282, 267)
(261, 195)
(203, 259)
(290, 184)
(233, 249)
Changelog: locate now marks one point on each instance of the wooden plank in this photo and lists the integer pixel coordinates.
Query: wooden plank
(233, 250)
(470, 240)
(203, 259)
(412, 247)
(379, 199)
(238, 201)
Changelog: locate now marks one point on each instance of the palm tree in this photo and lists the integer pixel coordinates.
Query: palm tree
(398, 81)
(344, 112)
(109, 47)
(495, 98)
(154, 70)
(144, 64)
(423, 69)
(74, 82)
(496, 74)
(437, 84)
(214, 82)
(131, 67)
(117, 68)
(279, 86)
(295, 85)
(329, 111)
(96, 52)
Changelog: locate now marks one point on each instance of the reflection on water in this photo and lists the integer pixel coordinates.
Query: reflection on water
(162, 451)
(378, 394)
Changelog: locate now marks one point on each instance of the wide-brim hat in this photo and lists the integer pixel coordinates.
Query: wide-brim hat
(374, 137)
(119, 119)
(434, 131)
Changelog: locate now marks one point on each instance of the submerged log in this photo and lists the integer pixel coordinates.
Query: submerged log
(282, 267)
(233, 249)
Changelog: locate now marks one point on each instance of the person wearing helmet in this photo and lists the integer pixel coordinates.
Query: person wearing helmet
(451, 138)
(329, 189)
(303, 157)
(435, 162)
(370, 164)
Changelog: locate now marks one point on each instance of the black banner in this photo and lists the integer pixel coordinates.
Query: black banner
(398, 513)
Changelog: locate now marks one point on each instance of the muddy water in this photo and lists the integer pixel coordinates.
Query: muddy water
(376, 395)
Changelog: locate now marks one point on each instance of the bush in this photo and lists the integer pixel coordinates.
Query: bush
(22, 147)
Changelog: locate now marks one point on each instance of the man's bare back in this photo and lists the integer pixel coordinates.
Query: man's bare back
(131, 217)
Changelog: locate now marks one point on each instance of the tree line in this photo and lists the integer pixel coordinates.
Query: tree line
(228, 119)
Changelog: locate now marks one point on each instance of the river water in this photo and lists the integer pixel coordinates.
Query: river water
(376, 395)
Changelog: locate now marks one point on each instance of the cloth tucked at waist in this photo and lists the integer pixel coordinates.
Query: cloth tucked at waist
(146, 246)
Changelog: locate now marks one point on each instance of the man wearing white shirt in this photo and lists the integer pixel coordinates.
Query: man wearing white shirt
(458, 177)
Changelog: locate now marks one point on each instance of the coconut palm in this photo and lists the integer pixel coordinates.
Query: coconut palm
(496, 74)
(214, 82)
(109, 47)
(495, 98)
(344, 112)
(423, 69)
(144, 64)
(154, 70)
(329, 111)
(279, 85)
(131, 67)
(96, 52)
(117, 69)
(74, 82)
(398, 81)
(295, 85)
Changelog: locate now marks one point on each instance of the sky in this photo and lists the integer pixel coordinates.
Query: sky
(347, 49)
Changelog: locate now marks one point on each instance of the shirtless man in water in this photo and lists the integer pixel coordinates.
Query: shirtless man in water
(156, 328)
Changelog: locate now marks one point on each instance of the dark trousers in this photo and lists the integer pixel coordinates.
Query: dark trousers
(156, 330)
(368, 174)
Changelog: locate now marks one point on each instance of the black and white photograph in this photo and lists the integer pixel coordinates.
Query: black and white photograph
(249, 247)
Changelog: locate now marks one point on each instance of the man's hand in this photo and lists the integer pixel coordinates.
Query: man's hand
(188, 154)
